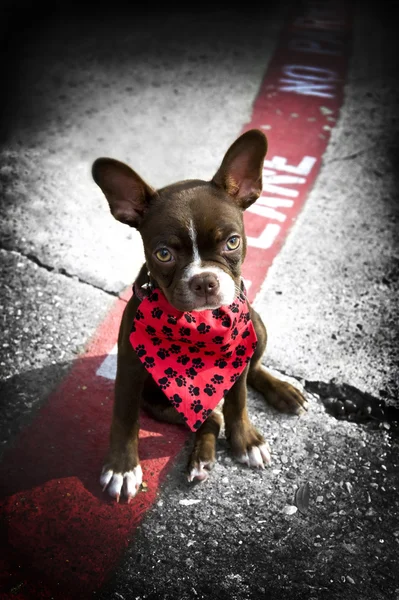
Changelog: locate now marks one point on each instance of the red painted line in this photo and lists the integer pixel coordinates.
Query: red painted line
(63, 537)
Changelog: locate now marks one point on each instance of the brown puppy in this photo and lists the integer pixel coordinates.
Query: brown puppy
(194, 243)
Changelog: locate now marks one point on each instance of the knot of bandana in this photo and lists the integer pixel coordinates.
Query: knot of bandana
(194, 357)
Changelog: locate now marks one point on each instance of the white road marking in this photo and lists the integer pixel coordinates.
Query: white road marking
(107, 368)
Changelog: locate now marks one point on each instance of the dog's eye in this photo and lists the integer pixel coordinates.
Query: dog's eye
(233, 242)
(163, 255)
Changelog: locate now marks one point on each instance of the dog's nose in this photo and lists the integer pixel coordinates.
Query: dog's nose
(204, 284)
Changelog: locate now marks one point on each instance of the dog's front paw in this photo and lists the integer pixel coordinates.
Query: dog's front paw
(115, 483)
(249, 446)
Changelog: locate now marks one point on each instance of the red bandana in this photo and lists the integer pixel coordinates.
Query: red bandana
(194, 357)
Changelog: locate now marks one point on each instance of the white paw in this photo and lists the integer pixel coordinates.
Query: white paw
(200, 472)
(256, 457)
(129, 482)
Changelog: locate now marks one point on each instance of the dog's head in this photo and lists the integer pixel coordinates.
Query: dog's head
(192, 231)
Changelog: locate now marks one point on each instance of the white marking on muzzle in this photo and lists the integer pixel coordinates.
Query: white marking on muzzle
(226, 283)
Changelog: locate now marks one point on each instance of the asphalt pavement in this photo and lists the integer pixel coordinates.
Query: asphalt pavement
(168, 92)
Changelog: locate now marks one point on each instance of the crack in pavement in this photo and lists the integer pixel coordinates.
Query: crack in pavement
(351, 156)
(59, 270)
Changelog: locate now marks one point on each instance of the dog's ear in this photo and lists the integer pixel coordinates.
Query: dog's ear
(240, 173)
(127, 194)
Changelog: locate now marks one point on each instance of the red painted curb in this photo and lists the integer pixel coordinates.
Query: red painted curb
(62, 537)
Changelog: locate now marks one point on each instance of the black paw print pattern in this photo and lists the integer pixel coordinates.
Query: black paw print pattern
(183, 359)
(209, 389)
(181, 381)
(190, 318)
(196, 406)
(149, 362)
(245, 318)
(226, 321)
(176, 400)
(198, 363)
(163, 383)
(194, 357)
(237, 362)
(234, 307)
(202, 328)
(167, 331)
(141, 351)
(170, 372)
(221, 363)
(234, 333)
(191, 372)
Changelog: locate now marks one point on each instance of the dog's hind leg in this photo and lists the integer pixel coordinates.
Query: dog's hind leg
(157, 405)
(280, 394)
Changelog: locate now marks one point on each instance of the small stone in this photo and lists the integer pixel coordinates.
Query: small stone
(319, 499)
(290, 509)
(349, 578)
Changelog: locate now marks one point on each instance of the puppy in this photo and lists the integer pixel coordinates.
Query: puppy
(188, 337)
